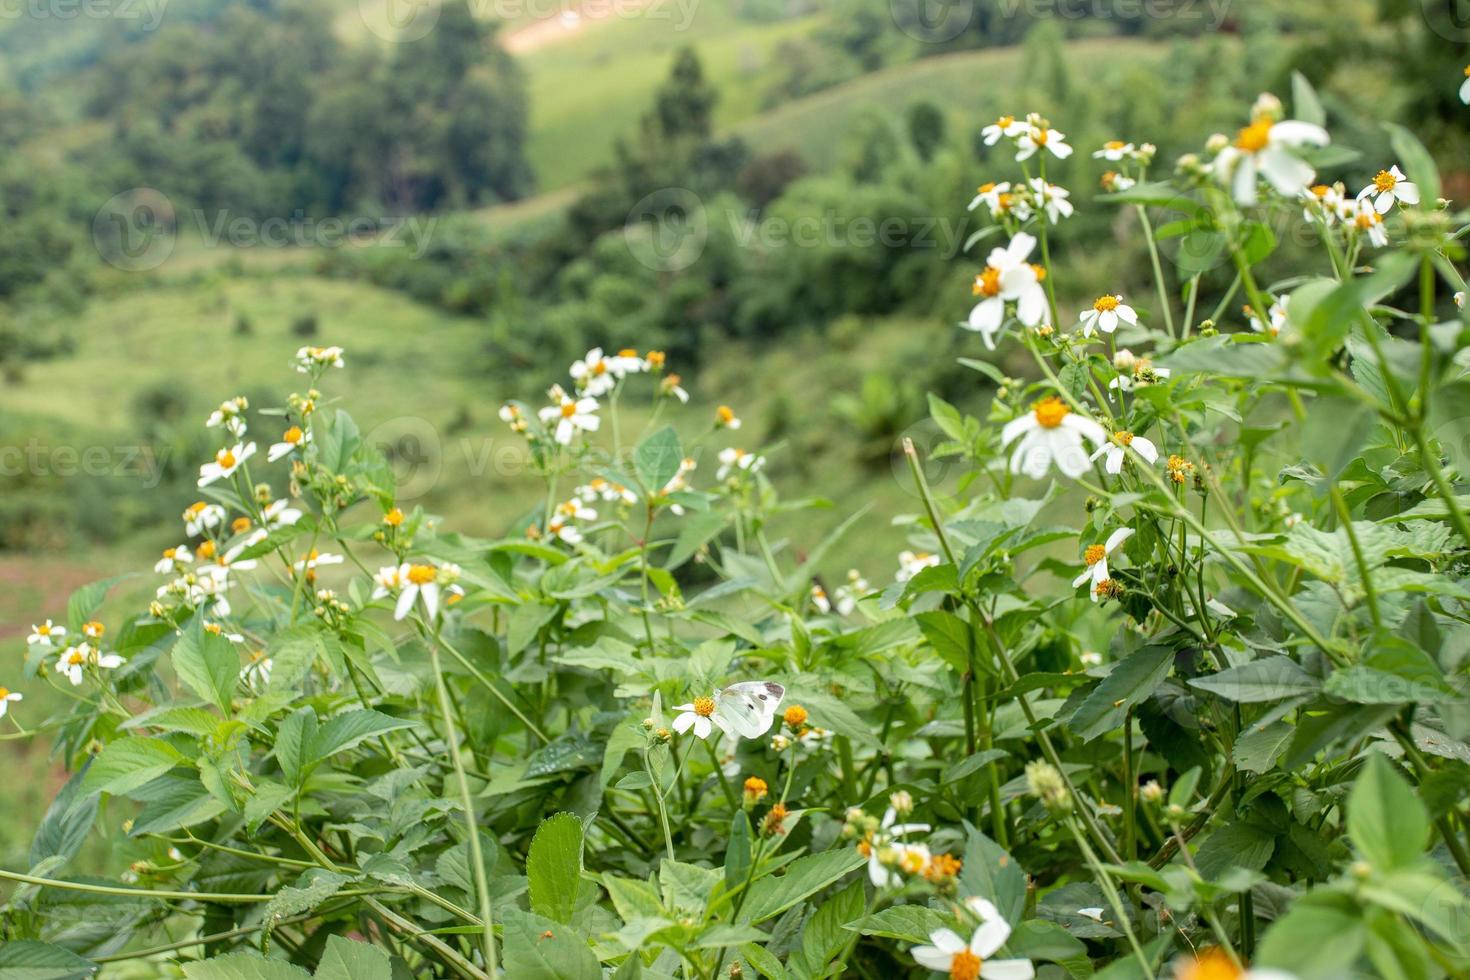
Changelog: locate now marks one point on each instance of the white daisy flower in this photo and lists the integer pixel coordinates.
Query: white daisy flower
(219, 630)
(679, 482)
(48, 633)
(1142, 373)
(911, 563)
(738, 459)
(887, 843)
(225, 463)
(1390, 186)
(201, 516)
(1007, 127)
(1465, 87)
(1113, 151)
(315, 559)
(1268, 149)
(1051, 433)
(1096, 557)
(512, 416)
(230, 561)
(627, 362)
(846, 597)
(292, 439)
(1106, 313)
(571, 415)
(75, 660)
(309, 359)
(1038, 136)
(279, 513)
(1368, 221)
(230, 415)
(725, 418)
(820, 602)
(698, 715)
(6, 697)
(949, 953)
(1007, 277)
(413, 581)
(997, 198)
(173, 558)
(670, 385)
(1327, 204)
(207, 592)
(1114, 182)
(1277, 315)
(1116, 450)
(594, 373)
(1051, 199)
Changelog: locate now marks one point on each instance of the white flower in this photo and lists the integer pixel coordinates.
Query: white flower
(279, 513)
(1465, 87)
(697, 715)
(511, 415)
(292, 439)
(949, 953)
(173, 558)
(200, 517)
(911, 563)
(999, 200)
(1051, 432)
(571, 415)
(1116, 450)
(207, 592)
(315, 559)
(231, 415)
(225, 462)
(1267, 148)
(1460, 300)
(1007, 277)
(627, 362)
(1096, 557)
(1367, 220)
(1328, 204)
(1106, 313)
(725, 418)
(1051, 199)
(258, 670)
(412, 581)
(820, 600)
(1114, 182)
(47, 633)
(1008, 127)
(1277, 313)
(75, 660)
(738, 459)
(230, 561)
(886, 843)
(847, 595)
(594, 373)
(679, 482)
(1142, 373)
(669, 385)
(599, 489)
(309, 359)
(1113, 151)
(1390, 186)
(7, 696)
(1039, 135)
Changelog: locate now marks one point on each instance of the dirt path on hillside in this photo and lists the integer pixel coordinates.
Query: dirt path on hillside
(567, 23)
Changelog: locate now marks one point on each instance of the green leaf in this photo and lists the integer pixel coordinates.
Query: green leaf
(537, 948)
(657, 459)
(292, 741)
(1131, 681)
(348, 960)
(771, 896)
(950, 636)
(85, 602)
(207, 664)
(1304, 102)
(824, 934)
(1037, 939)
(554, 867)
(68, 819)
(173, 802)
(990, 872)
(26, 959)
(1235, 845)
(763, 962)
(314, 887)
(1270, 679)
(342, 732)
(243, 966)
(910, 923)
(1385, 819)
(128, 763)
(1418, 163)
(737, 851)
(1318, 939)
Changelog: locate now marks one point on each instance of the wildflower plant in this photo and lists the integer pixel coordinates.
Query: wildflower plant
(1172, 685)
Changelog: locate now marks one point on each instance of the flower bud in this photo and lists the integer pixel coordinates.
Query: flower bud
(1046, 783)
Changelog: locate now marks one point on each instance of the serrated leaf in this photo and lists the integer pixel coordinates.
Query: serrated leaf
(536, 948)
(314, 887)
(342, 732)
(207, 664)
(1133, 680)
(1269, 679)
(657, 458)
(243, 966)
(128, 763)
(1386, 821)
(344, 959)
(806, 876)
(68, 819)
(554, 867)
(26, 959)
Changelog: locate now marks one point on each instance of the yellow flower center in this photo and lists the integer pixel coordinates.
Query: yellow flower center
(195, 509)
(214, 628)
(1253, 138)
(568, 409)
(293, 435)
(76, 657)
(704, 707)
(627, 352)
(1094, 554)
(4, 693)
(1040, 136)
(1049, 412)
(965, 966)
(795, 716)
(600, 367)
(1003, 202)
(240, 525)
(755, 786)
(987, 283)
(393, 518)
(1114, 144)
(1467, 71)
(656, 358)
(1040, 272)
(1212, 964)
(986, 188)
(912, 862)
(206, 549)
(1006, 122)
(1385, 181)
(1321, 190)
(94, 629)
(725, 414)
(1105, 304)
(1123, 437)
(225, 459)
(422, 574)
(44, 630)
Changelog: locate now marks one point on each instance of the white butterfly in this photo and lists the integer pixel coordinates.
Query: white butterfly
(747, 708)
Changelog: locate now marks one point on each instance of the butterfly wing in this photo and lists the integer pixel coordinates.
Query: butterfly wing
(748, 708)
